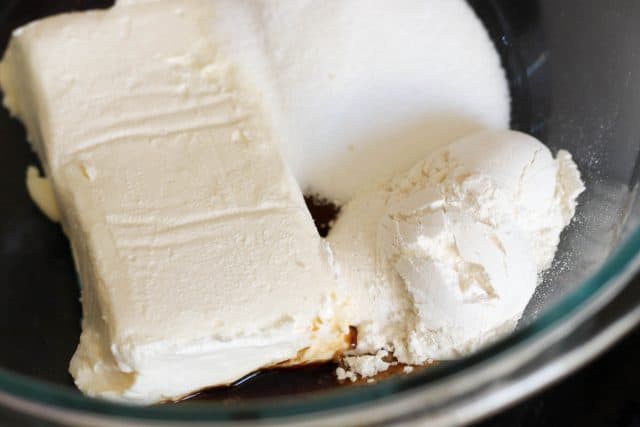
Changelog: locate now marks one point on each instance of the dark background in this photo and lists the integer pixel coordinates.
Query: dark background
(605, 393)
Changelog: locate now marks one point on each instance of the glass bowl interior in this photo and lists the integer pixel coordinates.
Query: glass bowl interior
(572, 69)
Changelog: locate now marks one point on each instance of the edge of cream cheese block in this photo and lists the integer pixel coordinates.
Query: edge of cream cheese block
(41, 192)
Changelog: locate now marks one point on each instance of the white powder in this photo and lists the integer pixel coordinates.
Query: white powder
(343, 374)
(445, 257)
(365, 366)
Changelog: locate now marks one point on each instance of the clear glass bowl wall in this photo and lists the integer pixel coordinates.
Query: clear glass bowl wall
(574, 71)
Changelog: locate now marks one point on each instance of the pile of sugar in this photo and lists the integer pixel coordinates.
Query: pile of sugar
(360, 90)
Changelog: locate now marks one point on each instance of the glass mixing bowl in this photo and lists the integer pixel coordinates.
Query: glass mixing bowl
(574, 72)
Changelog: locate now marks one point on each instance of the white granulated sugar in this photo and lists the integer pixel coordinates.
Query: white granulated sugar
(361, 89)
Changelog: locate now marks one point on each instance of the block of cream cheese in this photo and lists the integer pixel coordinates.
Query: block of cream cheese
(444, 258)
(198, 260)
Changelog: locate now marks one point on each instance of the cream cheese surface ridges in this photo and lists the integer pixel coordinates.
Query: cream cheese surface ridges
(198, 259)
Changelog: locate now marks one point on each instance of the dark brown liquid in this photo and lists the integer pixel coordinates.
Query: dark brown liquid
(323, 212)
(273, 383)
(294, 383)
